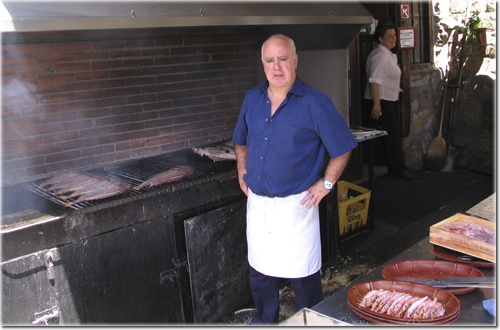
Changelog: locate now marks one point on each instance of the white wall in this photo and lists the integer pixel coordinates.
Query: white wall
(327, 71)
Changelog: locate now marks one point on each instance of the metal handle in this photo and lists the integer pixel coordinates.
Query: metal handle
(49, 265)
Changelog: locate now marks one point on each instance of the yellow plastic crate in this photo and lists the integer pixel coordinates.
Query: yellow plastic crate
(353, 212)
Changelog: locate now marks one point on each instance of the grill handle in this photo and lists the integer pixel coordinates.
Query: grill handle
(49, 265)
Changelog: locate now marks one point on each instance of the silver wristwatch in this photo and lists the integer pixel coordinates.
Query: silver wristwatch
(328, 184)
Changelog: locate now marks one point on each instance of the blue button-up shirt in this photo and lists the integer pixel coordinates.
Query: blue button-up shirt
(286, 152)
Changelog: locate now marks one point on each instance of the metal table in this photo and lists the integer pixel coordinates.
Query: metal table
(471, 307)
(369, 135)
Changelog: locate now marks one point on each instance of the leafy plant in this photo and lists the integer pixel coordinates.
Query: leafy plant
(474, 23)
(471, 42)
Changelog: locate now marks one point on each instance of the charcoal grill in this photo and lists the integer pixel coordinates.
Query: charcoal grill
(87, 249)
(136, 172)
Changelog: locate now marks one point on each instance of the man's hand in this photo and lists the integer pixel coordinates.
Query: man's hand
(243, 184)
(315, 194)
(332, 174)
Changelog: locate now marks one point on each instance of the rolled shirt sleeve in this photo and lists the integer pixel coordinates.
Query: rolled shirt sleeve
(382, 68)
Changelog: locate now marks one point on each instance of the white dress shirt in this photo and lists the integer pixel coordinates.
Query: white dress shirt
(382, 68)
(283, 236)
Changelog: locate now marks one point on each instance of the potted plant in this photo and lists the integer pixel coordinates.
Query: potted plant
(475, 35)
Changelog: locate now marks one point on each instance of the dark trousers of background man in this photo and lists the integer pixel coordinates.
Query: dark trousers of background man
(388, 122)
(265, 291)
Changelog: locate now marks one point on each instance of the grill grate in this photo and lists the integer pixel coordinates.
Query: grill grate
(137, 172)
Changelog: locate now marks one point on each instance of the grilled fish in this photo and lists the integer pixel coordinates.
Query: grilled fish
(171, 175)
(98, 184)
(79, 184)
(58, 179)
(100, 193)
(219, 153)
(77, 179)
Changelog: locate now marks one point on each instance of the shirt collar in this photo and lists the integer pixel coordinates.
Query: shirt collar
(296, 88)
(385, 49)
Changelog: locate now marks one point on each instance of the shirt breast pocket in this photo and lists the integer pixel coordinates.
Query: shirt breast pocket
(288, 140)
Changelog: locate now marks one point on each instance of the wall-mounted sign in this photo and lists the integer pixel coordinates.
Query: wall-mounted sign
(405, 11)
(407, 37)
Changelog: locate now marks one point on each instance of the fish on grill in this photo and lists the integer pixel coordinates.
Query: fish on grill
(69, 182)
(219, 153)
(86, 189)
(78, 183)
(85, 186)
(59, 178)
(171, 175)
(110, 189)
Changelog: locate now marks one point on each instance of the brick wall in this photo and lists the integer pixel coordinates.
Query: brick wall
(80, 105)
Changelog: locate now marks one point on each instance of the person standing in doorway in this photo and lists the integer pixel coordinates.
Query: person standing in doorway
(382, 94)
(281, 135)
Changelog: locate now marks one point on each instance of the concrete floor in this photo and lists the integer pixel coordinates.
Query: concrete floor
(363, 252)
(373, 245)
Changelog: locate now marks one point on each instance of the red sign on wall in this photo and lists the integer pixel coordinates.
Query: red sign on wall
(405, 11)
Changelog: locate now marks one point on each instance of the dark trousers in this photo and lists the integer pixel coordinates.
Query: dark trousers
(265, 291)
(391, 143)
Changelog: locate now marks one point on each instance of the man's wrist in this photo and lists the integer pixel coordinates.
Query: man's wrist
(327, 183)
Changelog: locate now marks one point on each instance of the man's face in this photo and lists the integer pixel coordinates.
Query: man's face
(279, 63)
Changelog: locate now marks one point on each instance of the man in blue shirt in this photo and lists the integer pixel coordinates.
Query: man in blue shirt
(281, 136)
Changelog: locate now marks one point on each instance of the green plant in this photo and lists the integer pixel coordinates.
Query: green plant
(474, 23)
(470, 31)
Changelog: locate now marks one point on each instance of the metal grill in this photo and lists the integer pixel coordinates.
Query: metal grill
(137, 172)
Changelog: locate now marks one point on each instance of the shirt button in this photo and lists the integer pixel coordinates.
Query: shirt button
(261, 158)
(265, 139)
(267, 101)
(267, 119)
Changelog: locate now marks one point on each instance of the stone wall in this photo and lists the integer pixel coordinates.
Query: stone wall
(471, 133)
(426, 82)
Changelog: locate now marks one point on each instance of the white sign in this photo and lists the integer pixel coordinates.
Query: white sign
(407, 38)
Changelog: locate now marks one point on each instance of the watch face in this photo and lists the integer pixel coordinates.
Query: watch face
(328, 184)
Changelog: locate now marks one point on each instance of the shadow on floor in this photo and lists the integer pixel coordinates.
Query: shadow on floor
(405, 210)
(402, 203)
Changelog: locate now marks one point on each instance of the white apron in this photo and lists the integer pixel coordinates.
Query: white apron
(283, 236)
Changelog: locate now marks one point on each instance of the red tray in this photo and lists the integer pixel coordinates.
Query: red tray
(451, 255)
(450, 302)
(432, 268)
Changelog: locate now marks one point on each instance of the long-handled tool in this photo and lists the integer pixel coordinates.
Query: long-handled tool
(436, 154)
(452, 282)
(452, 151)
